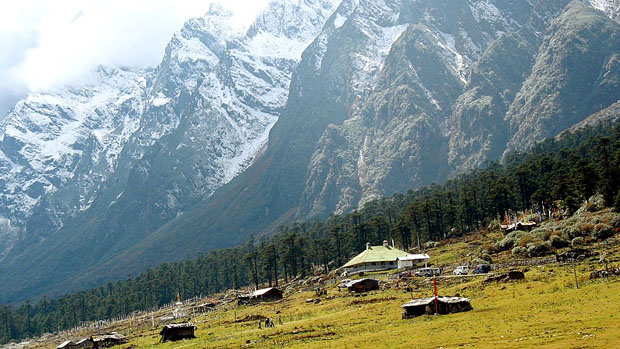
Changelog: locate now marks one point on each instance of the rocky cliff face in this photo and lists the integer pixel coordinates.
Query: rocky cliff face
(391, 95)
(64, 137)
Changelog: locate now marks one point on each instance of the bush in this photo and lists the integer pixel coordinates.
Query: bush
(586, 228)
(541, 233)
(558, 241)
(596, 203)
(603, 231)
(487, 258)
(509, 241)
(572, 232)
(494, 225)
(577, 241)
(615, 221)
(540, 249)
(519, 251)
(489, 248)
(525, 240)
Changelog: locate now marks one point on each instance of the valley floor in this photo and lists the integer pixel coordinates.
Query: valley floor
(543, 310)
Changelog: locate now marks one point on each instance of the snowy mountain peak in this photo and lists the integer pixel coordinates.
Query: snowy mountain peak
(218, 10)
(610, 7)
(287, 27)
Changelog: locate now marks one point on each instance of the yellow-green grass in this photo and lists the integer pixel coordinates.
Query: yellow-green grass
(544, 310)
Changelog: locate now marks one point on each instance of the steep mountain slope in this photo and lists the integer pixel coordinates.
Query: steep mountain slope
(206, 114)
(55, 138)
(405, 106)
(577, 73)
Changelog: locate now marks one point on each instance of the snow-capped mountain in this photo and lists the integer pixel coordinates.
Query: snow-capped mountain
(196, 120)
(610, 7)
(319, 107)
(62, 136)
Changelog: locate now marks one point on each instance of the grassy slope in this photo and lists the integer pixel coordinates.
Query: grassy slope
(543, 310)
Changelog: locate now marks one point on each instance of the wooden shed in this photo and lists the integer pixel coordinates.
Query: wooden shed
(175, 332)
(108, 340)
(363, 285)
(445, 305)
(263, 295)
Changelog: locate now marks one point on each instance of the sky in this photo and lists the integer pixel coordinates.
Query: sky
(53, 43)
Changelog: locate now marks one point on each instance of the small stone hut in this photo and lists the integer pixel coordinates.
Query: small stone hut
(445, 305)
(108, 340)
(175, 332)
(363, 285)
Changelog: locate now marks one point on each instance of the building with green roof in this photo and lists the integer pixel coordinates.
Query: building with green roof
(375, 258)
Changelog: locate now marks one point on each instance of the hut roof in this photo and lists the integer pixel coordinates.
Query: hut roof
(429, 300)
(376, 254)
(414, 257)
(181, 325)
(364, 280)
(264, 291)
(113, 335)
(66, 344)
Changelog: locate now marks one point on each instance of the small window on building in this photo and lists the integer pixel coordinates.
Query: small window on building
(391, 263)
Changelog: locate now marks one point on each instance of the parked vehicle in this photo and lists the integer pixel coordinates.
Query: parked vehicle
(482, 269)
(427, 272)
(461, 270)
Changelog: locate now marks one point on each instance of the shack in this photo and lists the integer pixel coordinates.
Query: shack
(363, 285)
(269, 294)
(526, 226)
(205, 307)
(108, 340)
(445, 305)
(412, 260)
(175, 332)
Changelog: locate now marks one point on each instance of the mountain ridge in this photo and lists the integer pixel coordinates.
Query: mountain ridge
(388, 95)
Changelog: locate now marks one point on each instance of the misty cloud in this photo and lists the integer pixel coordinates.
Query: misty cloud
(45, 44)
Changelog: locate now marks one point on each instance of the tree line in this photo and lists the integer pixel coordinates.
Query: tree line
(556, 173)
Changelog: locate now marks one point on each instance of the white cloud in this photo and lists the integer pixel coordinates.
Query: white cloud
(47, 43)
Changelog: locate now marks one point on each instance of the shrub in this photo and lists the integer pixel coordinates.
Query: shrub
(486, 258)
(489, 248)
(603, 231)
(586, 228)
(615, 221)
(494, 225)
(519, 251)
(573, 231)
(509, 241)
(526, 240)
(538, 249)
(558, 241)
(577, 241)
(597, 220)
(596, 203)
(541, 233)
